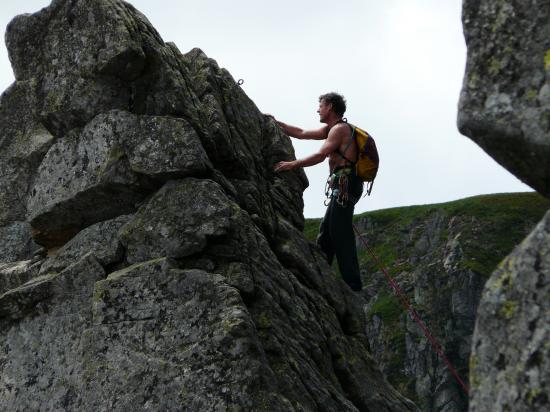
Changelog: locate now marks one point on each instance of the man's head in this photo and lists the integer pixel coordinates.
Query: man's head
(335, 102)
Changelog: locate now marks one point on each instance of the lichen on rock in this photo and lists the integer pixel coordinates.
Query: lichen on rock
(512, 334)
(505, 108)
(169, 278)
(503, 104)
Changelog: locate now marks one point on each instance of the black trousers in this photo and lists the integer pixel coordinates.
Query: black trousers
(336, 236)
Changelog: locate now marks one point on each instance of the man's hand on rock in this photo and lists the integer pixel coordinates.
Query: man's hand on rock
(277, 122)
(284, 166)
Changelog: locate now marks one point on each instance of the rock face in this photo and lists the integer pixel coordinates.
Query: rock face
(505, 107)
(441, 256)
(511, 361)
(505, 101)
(433, 270)
(23, 142)
(176, 275)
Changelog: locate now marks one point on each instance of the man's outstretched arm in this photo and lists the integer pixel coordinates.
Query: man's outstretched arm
(305, 162)
(330, 145)
(296, 132)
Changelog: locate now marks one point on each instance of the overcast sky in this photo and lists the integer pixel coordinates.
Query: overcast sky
(399, 63)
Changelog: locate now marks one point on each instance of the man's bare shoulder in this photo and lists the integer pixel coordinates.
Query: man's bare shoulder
(339, 130)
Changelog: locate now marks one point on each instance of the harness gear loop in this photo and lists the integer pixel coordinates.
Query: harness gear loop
(327, 191)
(343, 183)
(337, 186)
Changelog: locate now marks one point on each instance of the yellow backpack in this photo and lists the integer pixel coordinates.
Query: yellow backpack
(366, 165)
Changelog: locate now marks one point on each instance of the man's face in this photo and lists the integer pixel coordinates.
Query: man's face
(324, 109)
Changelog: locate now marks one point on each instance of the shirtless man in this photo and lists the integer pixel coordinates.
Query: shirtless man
(336, 235)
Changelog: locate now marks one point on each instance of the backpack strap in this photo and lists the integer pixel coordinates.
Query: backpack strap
(369, 188)
(343, 155)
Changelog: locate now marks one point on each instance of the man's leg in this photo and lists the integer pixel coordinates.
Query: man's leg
(323, 238)
(343, 241)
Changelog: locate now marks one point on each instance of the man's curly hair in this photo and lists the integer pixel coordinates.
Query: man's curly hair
(336, 100)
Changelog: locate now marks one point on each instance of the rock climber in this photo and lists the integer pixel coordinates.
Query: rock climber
(336, 235)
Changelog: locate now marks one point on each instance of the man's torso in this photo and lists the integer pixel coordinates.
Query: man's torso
(346, 147)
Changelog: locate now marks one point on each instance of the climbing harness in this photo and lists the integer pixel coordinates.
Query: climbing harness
(337, 186)
(414, 315)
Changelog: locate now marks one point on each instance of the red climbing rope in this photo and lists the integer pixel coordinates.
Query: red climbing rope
(414, 314)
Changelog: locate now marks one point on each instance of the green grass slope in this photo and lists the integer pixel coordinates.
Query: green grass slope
(507, 215)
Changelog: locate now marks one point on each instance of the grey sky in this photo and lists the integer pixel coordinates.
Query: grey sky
(399, 63)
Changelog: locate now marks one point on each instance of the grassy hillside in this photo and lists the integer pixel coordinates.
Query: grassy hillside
(507, 216)
(440, 255)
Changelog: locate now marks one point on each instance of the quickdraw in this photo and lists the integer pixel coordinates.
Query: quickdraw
(340, 192)
(342, 197)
